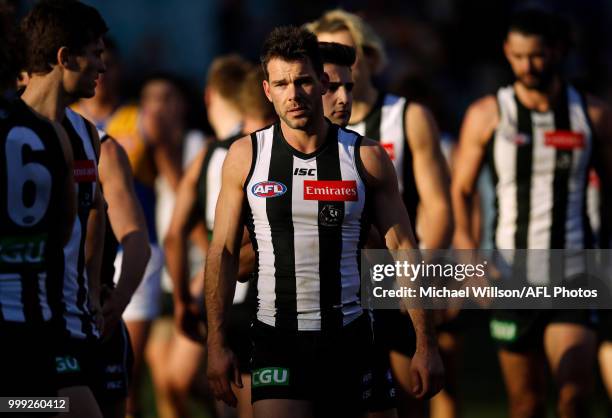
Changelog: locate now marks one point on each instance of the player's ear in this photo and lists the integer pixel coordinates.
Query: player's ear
(64, 57)
(266, 88)
(324, 78)
(207, 94)
(506, 48)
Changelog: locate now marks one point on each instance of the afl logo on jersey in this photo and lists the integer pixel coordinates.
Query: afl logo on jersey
(268, 189)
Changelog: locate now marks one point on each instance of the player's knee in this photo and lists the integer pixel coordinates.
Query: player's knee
(179, 384)
(527, 405)
(572, 400)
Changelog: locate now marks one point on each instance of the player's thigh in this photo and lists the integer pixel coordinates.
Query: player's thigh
(158, 350)
(185, 360)
(400, 365)
(524, 374)
(82, 402)
(283, 408)
(605, 365)
(571, 351)
(245, 408)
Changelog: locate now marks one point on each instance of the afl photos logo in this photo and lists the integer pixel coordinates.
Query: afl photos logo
(268, 189)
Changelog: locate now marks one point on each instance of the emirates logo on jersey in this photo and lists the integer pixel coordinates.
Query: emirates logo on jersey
(564, 140)
(84, 171)
(267, 189)
(331, 190)
(390, 148)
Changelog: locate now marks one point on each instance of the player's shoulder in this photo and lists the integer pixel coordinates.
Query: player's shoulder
(241, 147)
(485, 106)
(112, 149)
(596, 106)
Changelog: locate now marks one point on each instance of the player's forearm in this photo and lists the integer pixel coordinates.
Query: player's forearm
(422, 320)
(93, 248)
(247, 262)
(462, 203)
(219, 287)
(168, 162)
(438, 230)
(136, 249)
(175, 246)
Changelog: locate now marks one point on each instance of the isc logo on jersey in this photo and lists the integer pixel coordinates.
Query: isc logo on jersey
(267, 189)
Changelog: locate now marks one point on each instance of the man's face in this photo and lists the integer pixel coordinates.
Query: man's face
(338, 100)
(162, 104)
(108, 83)
(532, 61)
(295, 90)
(361, 70)
(80, 78)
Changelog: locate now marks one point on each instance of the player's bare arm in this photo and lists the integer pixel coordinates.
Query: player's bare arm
(184, 219)
(391, 219)
(95, 240)
(68, 191)
(431, 176)
(128, 225)
(478, 126)
(601, 117)
(222, 269)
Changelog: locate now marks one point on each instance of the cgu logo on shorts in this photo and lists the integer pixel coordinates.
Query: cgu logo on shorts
(67, 364)
(268, 189)
(270, 376)
(330, 190)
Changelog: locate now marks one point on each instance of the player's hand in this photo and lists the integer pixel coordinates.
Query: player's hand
(112, 310)
(188, 321)
(222, 371)
(427, 372)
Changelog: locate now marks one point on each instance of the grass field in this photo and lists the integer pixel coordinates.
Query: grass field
(481, 388)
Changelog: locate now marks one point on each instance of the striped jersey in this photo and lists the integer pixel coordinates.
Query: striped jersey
(540, 168)
(386, 123)
(209, 181)
(209, 187)
(307, 218)
(71, 300)
(33, 173)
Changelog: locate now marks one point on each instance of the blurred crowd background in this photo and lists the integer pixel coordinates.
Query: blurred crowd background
(444, 53)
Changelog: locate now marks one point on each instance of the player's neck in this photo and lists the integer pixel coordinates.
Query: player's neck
(46, 96)
(363, 101)
(224, 119)
(539, 100)
(308, 140)
(251, 125)
(98, 109)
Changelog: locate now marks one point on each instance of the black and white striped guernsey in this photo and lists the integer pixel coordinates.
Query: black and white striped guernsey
(307, 217)
(540, 163)
(33, 174)
(71, 301)
(209, 187)
(386, 123)
(209, 181)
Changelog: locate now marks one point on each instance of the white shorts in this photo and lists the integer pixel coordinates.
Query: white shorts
(146, 301)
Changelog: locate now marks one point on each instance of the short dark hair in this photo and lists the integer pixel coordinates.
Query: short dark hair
(291, 43)
(335, 53)
(536, 22)
(53, 24)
